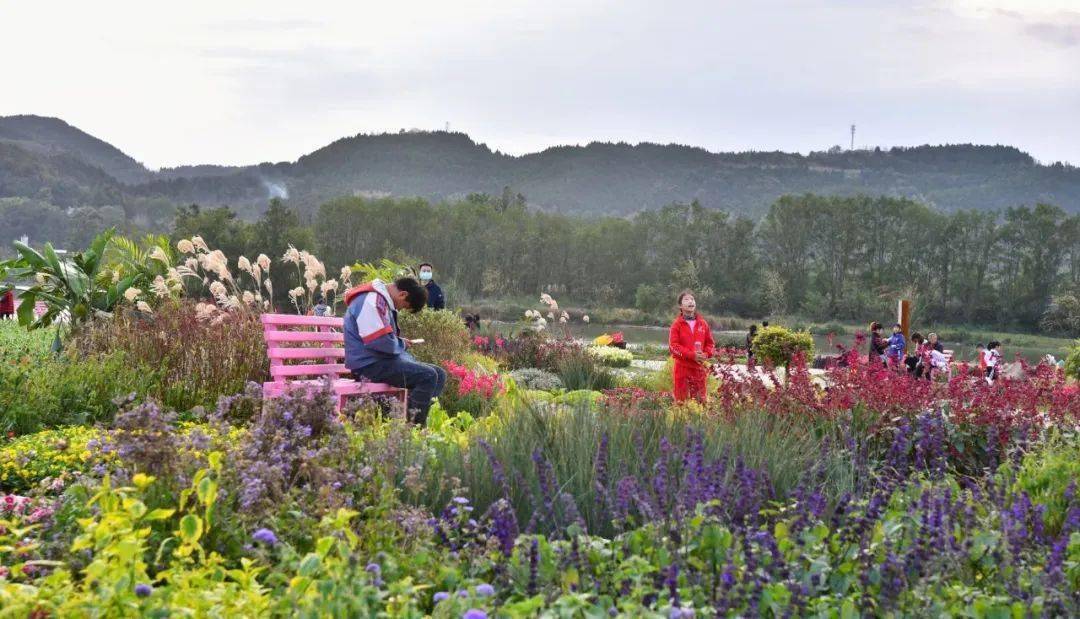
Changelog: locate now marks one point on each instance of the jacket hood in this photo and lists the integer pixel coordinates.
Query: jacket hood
(375, 285)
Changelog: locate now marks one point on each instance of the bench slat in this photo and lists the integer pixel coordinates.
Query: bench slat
(302, 321)
(341, 386)
(316, 369)
(305, 353)
(304, 336)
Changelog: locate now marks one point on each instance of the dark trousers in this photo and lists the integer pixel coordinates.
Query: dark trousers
(424, 381)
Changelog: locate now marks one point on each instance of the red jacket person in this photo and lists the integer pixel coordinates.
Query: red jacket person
(691, 343)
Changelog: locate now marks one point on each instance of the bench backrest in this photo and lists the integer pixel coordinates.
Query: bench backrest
(304, 346)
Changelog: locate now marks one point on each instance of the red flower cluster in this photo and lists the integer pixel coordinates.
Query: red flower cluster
(486, 385)
(485, 343)
(1041, 397)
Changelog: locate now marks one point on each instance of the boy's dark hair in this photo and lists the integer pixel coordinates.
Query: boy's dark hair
(764, 323)
(417, 294)
(424, 264)
(753, 329)
(874, 326)
(898, 326)
(916, 337)
(992, 345)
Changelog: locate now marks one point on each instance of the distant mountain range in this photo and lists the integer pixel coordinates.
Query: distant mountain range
(47, 159)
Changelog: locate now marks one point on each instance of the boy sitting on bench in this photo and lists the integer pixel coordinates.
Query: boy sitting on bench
(374, 348)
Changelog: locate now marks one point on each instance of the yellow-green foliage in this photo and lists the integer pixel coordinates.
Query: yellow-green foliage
(776, 345)
(1045, 474)
(611, 356)
(29, 459)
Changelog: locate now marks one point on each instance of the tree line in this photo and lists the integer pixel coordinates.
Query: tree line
(822, 257)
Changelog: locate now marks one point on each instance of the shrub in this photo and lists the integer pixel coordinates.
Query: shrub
(57, 390)
(480, 361)
(537, 379)
(579, 371)
(1072, 362)
(191, 360)
(1046, 475)
(777, 345)
(611, 356)
(444, 334)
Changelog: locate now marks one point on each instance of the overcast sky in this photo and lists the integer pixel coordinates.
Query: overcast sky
(237, 82)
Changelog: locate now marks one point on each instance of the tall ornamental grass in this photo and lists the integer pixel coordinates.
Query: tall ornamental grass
(192, 360)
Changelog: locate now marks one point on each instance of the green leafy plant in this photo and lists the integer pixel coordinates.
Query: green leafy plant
(71, 286)
(386, 270)
(777, 345)
(1072, 362)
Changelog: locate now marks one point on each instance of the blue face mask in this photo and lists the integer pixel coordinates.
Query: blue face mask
(425, 276)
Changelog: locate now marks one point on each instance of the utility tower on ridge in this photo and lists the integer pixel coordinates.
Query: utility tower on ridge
(852, 138)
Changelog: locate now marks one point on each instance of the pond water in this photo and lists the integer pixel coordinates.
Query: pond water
(636, 334)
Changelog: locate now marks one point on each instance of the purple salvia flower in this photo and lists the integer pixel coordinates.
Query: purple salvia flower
(534, 567)
(265, 536)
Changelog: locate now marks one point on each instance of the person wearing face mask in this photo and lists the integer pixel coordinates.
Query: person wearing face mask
(435, 298)
(691, 344)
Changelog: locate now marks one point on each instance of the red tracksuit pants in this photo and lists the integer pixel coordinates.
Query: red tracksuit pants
(689, 380)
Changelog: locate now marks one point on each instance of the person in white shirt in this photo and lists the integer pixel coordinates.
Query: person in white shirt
(992, 357)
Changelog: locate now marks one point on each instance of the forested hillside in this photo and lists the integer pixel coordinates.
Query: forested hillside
(47, 159)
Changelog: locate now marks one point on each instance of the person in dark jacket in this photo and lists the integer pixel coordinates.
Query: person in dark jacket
(878, 344)
(435, 298)
(912, 361)
(750, 345)
(374, 348)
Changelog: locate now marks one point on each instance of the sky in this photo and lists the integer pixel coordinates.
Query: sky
(236, 82)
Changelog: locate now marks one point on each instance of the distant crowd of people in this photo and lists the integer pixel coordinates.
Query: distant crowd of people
(928, 358)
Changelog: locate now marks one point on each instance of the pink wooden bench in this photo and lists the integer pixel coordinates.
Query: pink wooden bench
(305, 351)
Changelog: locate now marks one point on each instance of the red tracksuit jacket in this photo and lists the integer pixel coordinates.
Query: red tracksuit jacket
(689, 375)
(681, 341)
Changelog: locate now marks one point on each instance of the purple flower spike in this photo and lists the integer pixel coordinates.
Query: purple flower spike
(373, 568)
(265, 536)
(440, 596)
(474, 613)
(143, 590)
(485, 590)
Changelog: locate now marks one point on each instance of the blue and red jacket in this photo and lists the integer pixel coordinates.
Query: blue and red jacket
(371, 329)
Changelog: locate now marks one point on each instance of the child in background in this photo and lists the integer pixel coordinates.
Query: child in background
(993, 360)
(877, 345)
(897, 346)
(938, 363)
(321, 308)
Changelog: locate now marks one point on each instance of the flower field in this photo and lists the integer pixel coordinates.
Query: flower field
(152, 479)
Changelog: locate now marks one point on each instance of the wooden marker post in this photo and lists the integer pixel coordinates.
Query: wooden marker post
(903, 316)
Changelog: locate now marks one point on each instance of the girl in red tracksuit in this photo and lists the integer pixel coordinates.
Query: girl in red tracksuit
(691, 343)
